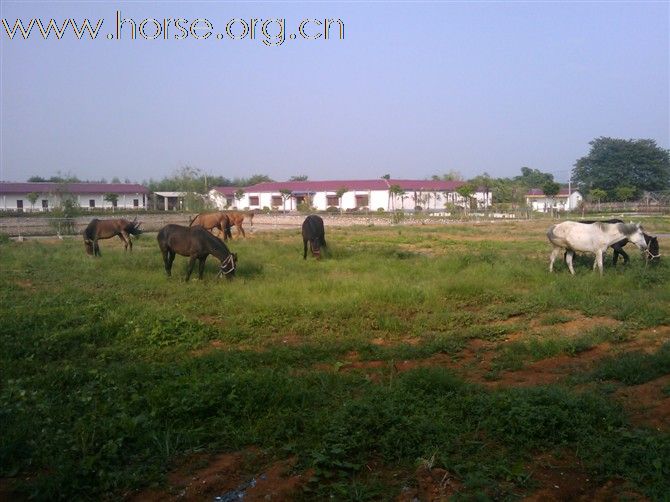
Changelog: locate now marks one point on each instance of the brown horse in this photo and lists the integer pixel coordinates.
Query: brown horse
(196, 243)
(209, 221)
(237, 217)
(106, 229)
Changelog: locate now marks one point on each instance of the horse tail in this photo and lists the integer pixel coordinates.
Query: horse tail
(190, 223)
(89, 231)
(227, 226)
(250, 214)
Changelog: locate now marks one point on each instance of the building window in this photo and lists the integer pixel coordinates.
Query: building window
(332, 200)
(253, 200)
(361, 201)
(91, 202)
(19, 205)
(45, 204)
(277, 200)
(136, 203)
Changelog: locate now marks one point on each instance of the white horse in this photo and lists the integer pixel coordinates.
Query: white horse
(591, 238)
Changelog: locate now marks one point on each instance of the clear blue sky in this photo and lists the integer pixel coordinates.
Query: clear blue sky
(414, 89)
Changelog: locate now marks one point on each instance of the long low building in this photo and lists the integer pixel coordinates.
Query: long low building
(45, 196)
(373, 195)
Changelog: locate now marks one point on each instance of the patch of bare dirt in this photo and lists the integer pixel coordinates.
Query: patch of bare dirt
(552, 369)
(566, 480)
(231, 476)
(25, 284)
(433, 485)
(647, 403)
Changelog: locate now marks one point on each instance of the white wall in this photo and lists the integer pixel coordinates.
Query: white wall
(376, 199)
(8, 202)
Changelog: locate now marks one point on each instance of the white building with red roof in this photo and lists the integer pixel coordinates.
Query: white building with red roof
(565, 200)
(357, 195)
(16, 196)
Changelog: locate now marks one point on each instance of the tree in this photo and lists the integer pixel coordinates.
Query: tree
(386, 177)
(239, 194)
(300, 177)
(551, 189)
(612, 162)
(597, 194)
(36, 179)
(395, 191)
(625, 193)
(533, 178)
(286, 194)
(485, 182)
(466, 190)
(452, 175)
(112, 198)
(340, 192)
(32, 198)
(254, 180)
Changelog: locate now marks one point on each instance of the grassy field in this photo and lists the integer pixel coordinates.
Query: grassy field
(410, 362)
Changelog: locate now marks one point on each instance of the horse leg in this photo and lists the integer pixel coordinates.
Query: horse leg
(191, 264)
(240, 230)
(625, 256)
(552, 258)
(201, 267)
(598, 261)
(168, 266)
(304, 250)
(126, 240)
(569, 255)
(166, 261)
(96, 248)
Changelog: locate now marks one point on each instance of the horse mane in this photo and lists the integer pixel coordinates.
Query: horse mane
(216, 243)
(627, 228)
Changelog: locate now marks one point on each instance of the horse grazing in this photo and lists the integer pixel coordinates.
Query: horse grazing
(209, 221)
(313, 232)
(197, 243)
(650, 254)
(591, 238)
(105, 229)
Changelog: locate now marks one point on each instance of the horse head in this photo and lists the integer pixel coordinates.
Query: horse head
(315, 247)
(652, 253)
(228, 266)
(88, 244)
(637, 236)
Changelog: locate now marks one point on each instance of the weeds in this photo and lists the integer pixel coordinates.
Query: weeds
(110, 371)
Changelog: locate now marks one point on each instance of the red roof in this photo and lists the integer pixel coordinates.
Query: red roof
(351, 185)
(74, 188)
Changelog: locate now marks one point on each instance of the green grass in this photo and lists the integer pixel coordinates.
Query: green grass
(109, 372)
(634, 368)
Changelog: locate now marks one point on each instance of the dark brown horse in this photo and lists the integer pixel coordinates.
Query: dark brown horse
(210, 221)
(197, 243)
(106, 229)
(313, 232)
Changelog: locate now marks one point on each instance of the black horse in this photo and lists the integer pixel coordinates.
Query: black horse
(313, 232)
(650, 254)
(196, 243)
